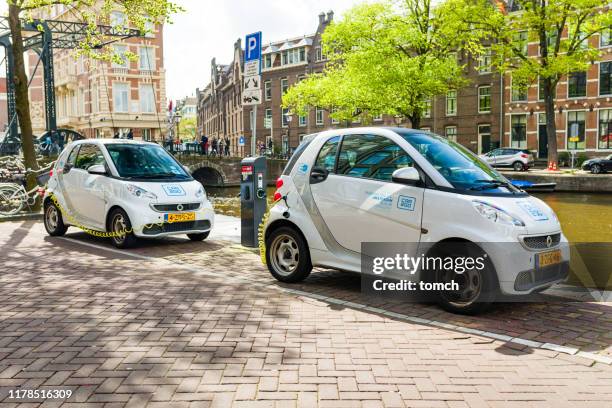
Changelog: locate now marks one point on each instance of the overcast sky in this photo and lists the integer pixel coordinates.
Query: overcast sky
(209, 29)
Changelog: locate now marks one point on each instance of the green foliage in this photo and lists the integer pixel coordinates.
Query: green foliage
(580, 159)
(389, 57)
(187, 128)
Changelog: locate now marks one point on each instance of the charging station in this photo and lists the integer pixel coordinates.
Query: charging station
(253, 202)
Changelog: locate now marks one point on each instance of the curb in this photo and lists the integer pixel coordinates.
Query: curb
(21, 217)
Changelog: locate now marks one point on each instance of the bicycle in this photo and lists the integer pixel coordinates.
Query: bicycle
(14, 197)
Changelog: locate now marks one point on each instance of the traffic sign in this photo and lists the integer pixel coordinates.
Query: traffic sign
(251, 97)
(253, 47)
(252, 82)
(251, 68)
(241, 141)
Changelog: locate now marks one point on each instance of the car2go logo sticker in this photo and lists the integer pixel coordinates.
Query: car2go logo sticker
(406, 203)
(173, 190)
(302, 169)
(535, 212)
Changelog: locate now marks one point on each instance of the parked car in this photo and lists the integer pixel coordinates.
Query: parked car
(598, 165)
(127, 189)
(517, 159)
(344, 187)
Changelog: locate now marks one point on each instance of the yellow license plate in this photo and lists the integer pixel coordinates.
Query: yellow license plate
(549, 258)
(170, 218)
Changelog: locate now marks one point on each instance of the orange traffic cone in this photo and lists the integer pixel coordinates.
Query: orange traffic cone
(555, 167)
(550, 166)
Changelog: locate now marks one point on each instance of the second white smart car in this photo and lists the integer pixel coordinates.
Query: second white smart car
(125, 189)
(343, 188)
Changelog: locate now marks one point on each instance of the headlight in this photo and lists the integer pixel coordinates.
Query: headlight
(140, 192)
(201, 193)
(497, 215)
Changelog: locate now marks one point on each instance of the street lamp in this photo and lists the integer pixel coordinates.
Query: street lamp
(289, 120)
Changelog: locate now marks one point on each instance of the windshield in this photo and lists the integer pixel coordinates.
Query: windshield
(458, 165)
(145, 161)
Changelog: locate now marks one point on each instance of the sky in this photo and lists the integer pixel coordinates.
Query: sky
(209, 29)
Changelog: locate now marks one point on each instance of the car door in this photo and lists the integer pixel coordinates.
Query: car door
(607, 162)
(68, 183)
(357, 199)
(89, 193)
(504, 158)
(490, 157)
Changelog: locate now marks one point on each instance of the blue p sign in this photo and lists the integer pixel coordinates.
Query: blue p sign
(253, 47)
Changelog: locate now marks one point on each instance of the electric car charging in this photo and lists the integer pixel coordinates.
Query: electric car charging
(346, 187)
(125, 190)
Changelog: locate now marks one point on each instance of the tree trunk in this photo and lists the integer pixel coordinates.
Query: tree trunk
(415, 121)
(22, 103)
(551, 127)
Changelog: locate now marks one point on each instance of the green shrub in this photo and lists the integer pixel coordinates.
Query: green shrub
(564, 158)
(580, 158)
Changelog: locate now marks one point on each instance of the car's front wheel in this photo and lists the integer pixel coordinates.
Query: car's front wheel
(54, 223)
(120, 228)
(596, 169)
(198, 237)
(287, 255)
(477, 287)
(518, 166)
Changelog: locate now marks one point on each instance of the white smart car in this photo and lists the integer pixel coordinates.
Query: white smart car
(345, 187)
(126, 189)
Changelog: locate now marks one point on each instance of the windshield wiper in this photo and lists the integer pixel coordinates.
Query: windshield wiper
(491, 184)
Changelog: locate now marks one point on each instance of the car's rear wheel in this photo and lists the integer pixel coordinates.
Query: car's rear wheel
(478, 288)
(596, 169)
(54, 223)
(121, 229)
(198, 237)
(518, 166)
(287, 255)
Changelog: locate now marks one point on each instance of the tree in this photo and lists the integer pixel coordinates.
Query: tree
(561, 28)
(92, 12)
(390, 57)
(187, 128)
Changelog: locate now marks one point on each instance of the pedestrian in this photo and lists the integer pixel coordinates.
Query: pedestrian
(203, 142)
(227, 146)
(222, 147)
(116, 136)
(213, 146)
(169, 142)
(130, 135)
(270, 147)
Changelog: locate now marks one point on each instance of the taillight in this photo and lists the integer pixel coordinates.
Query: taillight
(277, 196)
(279, 182)
(524, 156)
(51, 173)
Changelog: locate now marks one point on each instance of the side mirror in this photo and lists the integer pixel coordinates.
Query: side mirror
(67, 168)
(407, 175)
(97, 169)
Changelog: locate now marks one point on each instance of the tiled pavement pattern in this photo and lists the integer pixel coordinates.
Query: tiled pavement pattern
(120, 331)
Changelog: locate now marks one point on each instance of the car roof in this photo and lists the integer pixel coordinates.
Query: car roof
(113, 141)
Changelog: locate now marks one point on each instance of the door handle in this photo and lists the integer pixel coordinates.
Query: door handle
(318, 175)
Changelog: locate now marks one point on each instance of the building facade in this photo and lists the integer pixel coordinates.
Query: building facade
(100, 98)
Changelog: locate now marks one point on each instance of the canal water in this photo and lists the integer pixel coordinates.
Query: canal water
(585, 218)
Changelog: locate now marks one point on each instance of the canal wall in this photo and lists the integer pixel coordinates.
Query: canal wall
(574, 183)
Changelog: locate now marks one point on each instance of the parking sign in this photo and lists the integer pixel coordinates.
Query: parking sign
(253, 47)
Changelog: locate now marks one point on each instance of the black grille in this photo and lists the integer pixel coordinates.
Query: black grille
(540, 242)
(177, 227)
(530, 279)
(173, 207)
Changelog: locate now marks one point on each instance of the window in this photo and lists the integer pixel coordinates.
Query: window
(268, 90)
(285, 118)
(267, 61)
(89, 155)
(121, 97)
(427, 109)
(335, 121)
(484, 138)
(378, 118)
(147, 98)
(541, 90)
(302, 120)
(484, 99)
(576, 130)
(484, 62)
(268, 118)
(284, 85)
(319, 117)
(605, 78)
(369, 156)
(147, 58)
(293, 56)
(426, 129)
(576, 84)
(518, 131)
(328, 153)
(451, 103)
(149, 27)
(605, 129)
(521, 42)
(519, 93)
(146, 135)
(451, 133)
(284, 144)
(95, 104)
(120, 50)
(117, 21)
(318, 54)
(606, 38)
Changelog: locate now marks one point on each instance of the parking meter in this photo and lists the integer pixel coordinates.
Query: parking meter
(252, 199)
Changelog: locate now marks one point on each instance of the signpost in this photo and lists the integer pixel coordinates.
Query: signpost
(251, 86)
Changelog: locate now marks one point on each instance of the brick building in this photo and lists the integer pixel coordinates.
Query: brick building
(99, 99)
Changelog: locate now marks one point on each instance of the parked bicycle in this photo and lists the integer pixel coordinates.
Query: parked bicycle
(14, 198)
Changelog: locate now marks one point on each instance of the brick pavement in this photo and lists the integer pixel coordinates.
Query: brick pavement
(119, 331)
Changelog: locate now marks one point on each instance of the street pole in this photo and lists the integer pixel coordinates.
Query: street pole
(254, 132)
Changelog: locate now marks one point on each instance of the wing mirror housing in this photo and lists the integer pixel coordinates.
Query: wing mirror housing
(98, 170)
(408, 175)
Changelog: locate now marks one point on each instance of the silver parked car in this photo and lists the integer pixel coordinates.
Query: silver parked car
(517, 159)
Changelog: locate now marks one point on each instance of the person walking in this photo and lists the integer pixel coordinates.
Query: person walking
(130, 135)
(213, 146)
(221, 147)
(227, 146)
(203, 145)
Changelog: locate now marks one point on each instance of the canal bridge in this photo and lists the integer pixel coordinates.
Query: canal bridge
(224, 171)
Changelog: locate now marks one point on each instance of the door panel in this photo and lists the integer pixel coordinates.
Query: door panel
(89, 201)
